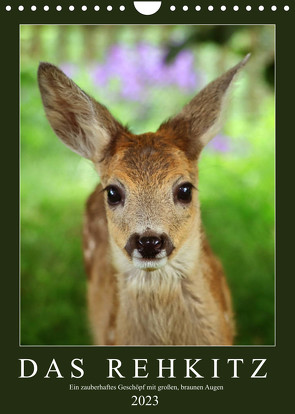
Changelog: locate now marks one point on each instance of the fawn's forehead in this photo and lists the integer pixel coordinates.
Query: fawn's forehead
(149, 157)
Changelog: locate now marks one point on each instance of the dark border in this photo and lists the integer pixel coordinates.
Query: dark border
(38, 392)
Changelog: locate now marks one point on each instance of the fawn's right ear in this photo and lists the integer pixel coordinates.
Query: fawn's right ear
(83, 124)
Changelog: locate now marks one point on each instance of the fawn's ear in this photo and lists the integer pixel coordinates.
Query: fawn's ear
(84, 125)
(201, 119)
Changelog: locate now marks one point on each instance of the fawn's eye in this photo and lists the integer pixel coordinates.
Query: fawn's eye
(183, 193)
(114, 195)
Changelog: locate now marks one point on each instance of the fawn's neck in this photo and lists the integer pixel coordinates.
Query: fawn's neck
(167, 306)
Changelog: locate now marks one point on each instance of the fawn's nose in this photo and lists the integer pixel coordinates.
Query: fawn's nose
(149, 246)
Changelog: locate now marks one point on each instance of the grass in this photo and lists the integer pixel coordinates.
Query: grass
(239, 222)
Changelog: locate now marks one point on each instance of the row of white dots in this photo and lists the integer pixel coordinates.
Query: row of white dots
(122, 8)
(59, 8)
(172, 8)
(235, 8)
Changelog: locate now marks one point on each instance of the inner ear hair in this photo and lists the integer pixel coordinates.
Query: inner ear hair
(202, 118)
(83, 124)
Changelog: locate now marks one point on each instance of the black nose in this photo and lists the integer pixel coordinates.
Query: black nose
(149, 246)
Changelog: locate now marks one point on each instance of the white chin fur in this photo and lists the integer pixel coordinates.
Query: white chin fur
(149, 265)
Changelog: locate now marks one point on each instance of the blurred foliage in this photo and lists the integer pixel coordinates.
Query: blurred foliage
(144, 74)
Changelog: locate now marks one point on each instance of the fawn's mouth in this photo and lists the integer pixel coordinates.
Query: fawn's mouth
(149, 250)
(149, 264)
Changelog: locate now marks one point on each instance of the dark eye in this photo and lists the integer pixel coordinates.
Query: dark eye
(184, 193)
(114, 195)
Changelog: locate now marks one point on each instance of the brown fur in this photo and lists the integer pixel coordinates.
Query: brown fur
(185, 300)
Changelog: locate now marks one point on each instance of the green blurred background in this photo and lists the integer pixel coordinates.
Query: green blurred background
(144, 74)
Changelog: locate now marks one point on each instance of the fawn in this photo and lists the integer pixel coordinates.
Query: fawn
(152, 276)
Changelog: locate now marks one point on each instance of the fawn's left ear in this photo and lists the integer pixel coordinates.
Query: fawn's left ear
(202, 117)
(84, 125)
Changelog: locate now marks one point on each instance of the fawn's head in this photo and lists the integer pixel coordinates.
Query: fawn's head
(149, 180)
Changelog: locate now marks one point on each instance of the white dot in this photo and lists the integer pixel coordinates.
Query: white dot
(71, 8)
(185, 8)
(122, 8)
(33, 8)
(286, 8)
(210, 8)
(248, 8)
(96, 8)
(46, 8)
(236, 8)
(84, 8)
(8, 8)
(172, 8)
(261, 8)
(20, 8)
(198, 8)
(58, 8)
(223, 8)
(274, 8)
(109, 8)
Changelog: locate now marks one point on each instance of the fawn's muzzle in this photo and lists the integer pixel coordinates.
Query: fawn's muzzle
(149, 245)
